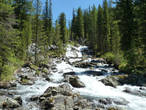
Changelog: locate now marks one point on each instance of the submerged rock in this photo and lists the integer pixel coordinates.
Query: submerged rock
(94, 73)
(69, 73)
(135, 92)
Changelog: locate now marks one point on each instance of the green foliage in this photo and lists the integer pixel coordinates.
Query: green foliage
(63, 29)
(116, 59)
(80, 24)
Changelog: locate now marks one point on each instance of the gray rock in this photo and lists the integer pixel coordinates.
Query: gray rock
(138, 92)
(75, 82)
(18, 99)
(94, 73)
(111, 81)
(69, 73)
(6, 102)
(5, 85)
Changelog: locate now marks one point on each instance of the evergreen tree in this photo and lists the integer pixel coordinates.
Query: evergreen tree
(125, 10)
(48, 23)
(73, 26)
(92, 29)
(100, 29)
(79, 25)
(58, 41)
(115, 38)
(37, 22)
(86, 24)
(7, 35)
(23, 9)
(106, 33)
(62, 23)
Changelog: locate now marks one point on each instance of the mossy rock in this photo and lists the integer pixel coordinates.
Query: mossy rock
(45, 70)
(112, 108)
(38, 72)
(34, 67)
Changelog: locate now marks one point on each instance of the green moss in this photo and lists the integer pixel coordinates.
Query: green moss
(34, 67)
(24, 81)
(37, 72)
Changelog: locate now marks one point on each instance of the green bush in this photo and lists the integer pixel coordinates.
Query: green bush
(116, 59)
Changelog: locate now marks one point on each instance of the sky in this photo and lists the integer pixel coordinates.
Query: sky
(67, 6)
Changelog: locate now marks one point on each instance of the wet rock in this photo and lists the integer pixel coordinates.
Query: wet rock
(47, 103)
(63, 89)
(98, 60)
(69, 73)
(6, 102)
(111, 81)
(45, 70)
(25, 80)
(75, 82)
(48, 79)
(34, 67)
(18, 99)
(94, 73)
(85, 65)
(5, 85)
(120, 101)
(135, 91)
(13, 84)
(62, 98)
(105, 101)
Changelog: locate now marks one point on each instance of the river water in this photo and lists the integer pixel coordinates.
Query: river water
(93, 86)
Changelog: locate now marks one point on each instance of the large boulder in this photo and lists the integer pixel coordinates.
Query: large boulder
(111, 81)
(5, 85)
(6, 102)
(75, 82)
(62, 98)
(63, 89)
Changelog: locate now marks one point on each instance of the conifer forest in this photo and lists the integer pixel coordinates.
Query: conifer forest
(94, 61)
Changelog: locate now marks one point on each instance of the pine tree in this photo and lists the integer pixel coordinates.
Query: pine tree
(23, 9)
(125, 10)
(92, 29)
(73, 26)
(62, 23)
(58, 41)
(79, 25)
(6, 35)
(100, 30)
(106, 27)
(48, 23)
(37, 22)
(115, 38)
(86, 24)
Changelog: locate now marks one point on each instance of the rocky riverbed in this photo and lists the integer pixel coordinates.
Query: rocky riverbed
(76, 81)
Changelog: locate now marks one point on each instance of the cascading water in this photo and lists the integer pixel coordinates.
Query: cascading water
(93, 86)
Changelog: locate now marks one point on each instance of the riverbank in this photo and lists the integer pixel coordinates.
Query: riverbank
(76, 81)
